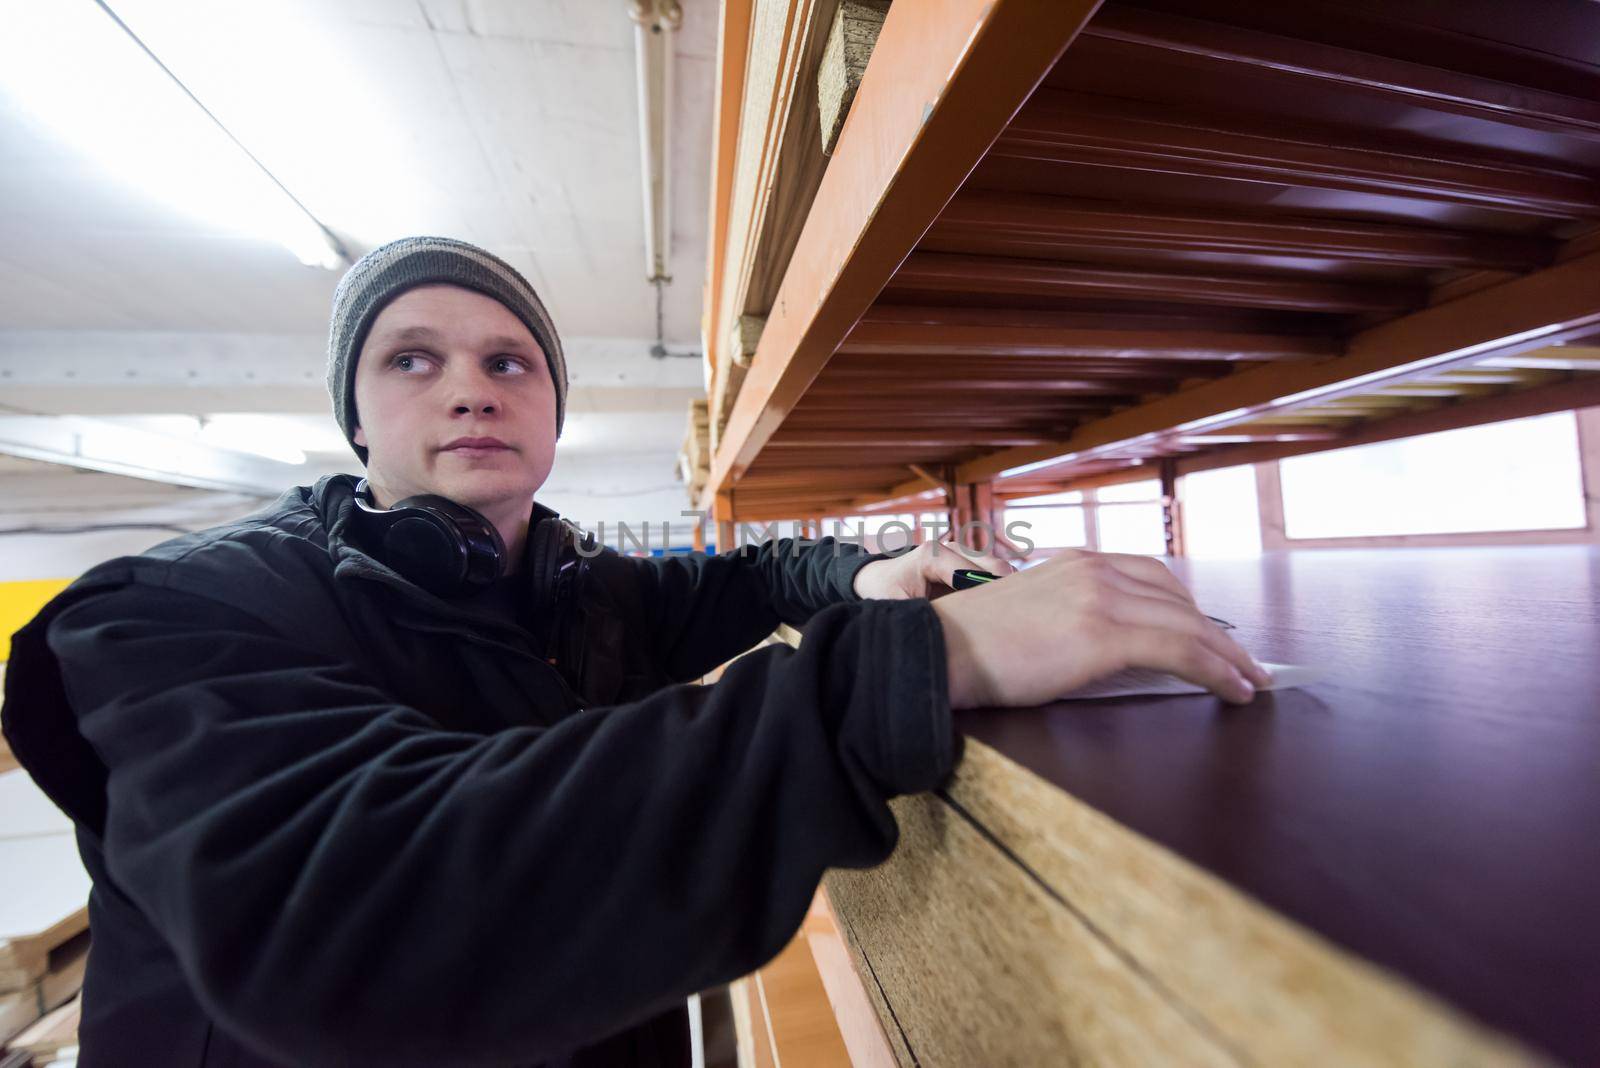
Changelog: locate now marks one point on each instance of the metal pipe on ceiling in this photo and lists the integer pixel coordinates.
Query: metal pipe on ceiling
(655, 22)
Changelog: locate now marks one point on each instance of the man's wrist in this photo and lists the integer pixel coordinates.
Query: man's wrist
(852, 568)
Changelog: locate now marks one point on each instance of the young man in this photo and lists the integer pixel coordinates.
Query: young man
(335, 818)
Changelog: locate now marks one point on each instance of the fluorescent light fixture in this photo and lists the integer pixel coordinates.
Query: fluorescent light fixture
(1243, 439)
(78, 72)
(655, 26)
(1211, 420)
(1038, 465)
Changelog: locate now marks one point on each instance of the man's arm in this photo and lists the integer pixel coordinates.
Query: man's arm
(342, 879)
(706, 609)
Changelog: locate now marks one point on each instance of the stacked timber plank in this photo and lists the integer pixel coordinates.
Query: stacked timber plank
(44, 922)
(855, 31)
(694, 458)
(53, 1038)
(782, 106)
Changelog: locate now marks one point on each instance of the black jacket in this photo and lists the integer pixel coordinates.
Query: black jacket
(332, 819)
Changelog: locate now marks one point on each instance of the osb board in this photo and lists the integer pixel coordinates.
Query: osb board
(778, 167)
(1015, 925)
(844, 60)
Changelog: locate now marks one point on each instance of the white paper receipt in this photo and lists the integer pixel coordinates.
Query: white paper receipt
(1136, 682)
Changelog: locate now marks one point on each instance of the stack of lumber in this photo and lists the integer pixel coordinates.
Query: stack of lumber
(44, 920)
(694, 459)
(53, 1038)
(780, 109)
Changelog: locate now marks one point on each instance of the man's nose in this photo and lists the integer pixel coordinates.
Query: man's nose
(471, 390)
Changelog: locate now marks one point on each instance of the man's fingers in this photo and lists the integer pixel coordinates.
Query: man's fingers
(953, 555)
(1151, 571)
(1131, 584)
(1187, 626)
(991, 563)
(1192, 661)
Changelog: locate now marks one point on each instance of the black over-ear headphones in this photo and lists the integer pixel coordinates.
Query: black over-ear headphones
(446, 548)
(451, 550)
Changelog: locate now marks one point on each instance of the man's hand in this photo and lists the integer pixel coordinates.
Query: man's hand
(1078, 617)
(914, 574)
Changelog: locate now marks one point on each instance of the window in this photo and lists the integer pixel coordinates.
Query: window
(1050, 520)
(1523, 474)
(1220, 513)
(1132, 528)
(1047, 526)
(1129, 518)
(1147, 490)
(870, 529)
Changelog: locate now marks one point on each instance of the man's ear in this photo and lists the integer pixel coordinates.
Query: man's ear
(360, 437)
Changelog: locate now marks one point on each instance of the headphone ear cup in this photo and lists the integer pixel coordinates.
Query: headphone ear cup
(427, 550)
(446, 548)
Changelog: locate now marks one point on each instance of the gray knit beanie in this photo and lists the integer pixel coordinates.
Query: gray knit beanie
(387, 271)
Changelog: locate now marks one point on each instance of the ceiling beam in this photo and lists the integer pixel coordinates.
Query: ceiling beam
(929, 424)
(1062, 226)
(946, 273)
(928, 339)
(889, 388)
(1084, 130)
(1110, 367)
(1215, 48)
(943, 82)
(938, 438)
(851, 407)
(1528, 313)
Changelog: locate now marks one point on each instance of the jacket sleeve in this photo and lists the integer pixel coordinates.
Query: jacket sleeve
(705, 609)
(343, 879)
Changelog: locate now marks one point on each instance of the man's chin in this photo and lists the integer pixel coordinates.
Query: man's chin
(482, 488)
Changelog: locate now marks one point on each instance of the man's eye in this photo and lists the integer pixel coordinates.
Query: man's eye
(508, 365)
(408, 361)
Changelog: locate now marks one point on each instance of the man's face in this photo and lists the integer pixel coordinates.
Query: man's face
(441, 364)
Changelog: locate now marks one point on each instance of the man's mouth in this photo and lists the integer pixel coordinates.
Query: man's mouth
(476, 446)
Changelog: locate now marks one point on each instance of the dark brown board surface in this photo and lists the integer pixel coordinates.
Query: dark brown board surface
(1433, 806)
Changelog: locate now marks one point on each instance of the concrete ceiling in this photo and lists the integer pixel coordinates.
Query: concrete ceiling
(503, 122)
